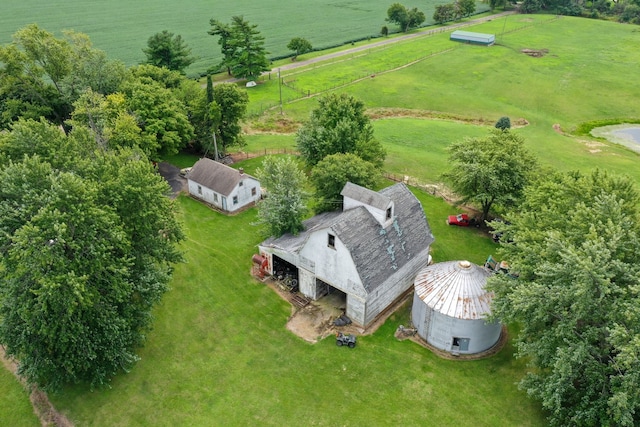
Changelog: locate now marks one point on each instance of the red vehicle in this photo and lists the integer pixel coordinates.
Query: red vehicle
(461, 220)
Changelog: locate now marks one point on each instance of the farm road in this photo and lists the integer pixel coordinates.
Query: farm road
(388, 41)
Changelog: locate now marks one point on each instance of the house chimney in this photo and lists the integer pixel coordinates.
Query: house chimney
(241, 170)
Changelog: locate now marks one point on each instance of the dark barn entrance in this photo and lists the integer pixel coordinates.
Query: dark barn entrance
(331, 296)
(286, 273)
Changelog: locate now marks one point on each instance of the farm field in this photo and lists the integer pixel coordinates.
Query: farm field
(586, 75)
(121, 28)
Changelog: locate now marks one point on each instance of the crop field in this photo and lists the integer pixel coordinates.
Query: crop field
(121, 28)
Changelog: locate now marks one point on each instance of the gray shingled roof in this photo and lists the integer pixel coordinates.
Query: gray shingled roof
(377, 252)
(214, 175)
(365, 195)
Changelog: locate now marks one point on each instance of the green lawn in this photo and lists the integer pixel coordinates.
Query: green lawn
(16, 409)
(220, 353)
(121, 28)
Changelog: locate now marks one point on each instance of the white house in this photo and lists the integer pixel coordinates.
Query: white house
(370, 252)
(224, 187)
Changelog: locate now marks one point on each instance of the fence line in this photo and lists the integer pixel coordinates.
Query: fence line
(241, 155)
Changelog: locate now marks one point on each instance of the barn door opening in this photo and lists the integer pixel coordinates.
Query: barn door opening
(332, 296)
(285, 273)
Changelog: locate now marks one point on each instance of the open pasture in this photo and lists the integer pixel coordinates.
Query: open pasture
(586, 74)
(121, 28)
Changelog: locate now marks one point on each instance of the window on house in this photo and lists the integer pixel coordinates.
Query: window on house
(235, 200)
(240, 184)
(215, 197)
(253, 191)
(331, 242)
(199, 189)
(389, 212)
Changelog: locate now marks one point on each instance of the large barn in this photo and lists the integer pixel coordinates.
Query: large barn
(450, 306)
(370, 252)
(222, 186)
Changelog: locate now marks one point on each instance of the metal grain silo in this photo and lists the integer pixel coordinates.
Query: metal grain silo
(450, 305)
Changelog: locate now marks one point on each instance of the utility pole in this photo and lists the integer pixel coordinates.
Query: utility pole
(280, 89)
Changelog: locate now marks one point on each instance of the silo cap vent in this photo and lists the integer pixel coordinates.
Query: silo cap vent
(464, 264)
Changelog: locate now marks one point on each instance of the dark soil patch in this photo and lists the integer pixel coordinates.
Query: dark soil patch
(535, 53)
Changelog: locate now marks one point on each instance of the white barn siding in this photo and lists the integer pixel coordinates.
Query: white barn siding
(333, 265)
(392, 289)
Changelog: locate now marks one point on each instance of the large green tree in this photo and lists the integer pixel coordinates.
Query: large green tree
(444, 13)
(160, 115)
(339, 125)
(167, 50)
(224, 34)
(86, 250)
(575, 244)
(299, 46)
(331, 174)
(283, 208)
(231, 102)
(465, 8)
(249, 58)
(403, 17)
(41, 75)
(491, 170)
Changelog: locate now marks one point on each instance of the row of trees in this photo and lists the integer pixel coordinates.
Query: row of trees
(454, 11)
(69, 83)
(624, 10)
(86, 250)
(88, 234)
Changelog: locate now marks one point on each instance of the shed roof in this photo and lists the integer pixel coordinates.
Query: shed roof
(214, 175)
(455, 289)
(472, 36)
(377, 251)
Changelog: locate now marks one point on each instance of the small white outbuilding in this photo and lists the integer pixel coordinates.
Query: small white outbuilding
(450, 306)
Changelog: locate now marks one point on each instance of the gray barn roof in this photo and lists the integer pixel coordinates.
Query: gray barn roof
(214, 175)
(365, 195)
(455, 289)
(376, 251)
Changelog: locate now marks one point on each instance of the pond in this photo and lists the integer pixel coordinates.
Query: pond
(626, 134)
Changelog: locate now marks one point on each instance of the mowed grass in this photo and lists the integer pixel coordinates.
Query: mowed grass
(16, 409)
(586, 75)
(121, 28)
(220, 354)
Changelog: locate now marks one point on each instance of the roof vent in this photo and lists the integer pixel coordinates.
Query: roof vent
(464, 264)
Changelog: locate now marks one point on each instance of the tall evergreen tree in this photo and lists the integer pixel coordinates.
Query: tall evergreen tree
(168, 50)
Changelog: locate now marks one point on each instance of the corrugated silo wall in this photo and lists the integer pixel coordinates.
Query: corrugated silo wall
(482, 336)
(419, 311)
(389, 291)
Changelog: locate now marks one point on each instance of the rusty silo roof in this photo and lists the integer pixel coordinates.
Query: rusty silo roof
(455, 289)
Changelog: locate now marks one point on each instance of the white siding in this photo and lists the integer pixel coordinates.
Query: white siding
(333, 265)
(243, 193)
